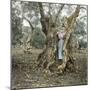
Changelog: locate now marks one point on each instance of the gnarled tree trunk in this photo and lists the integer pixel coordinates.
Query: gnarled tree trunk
(67, 49)
(47, 59)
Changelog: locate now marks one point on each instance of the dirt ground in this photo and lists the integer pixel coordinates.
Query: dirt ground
(26, 75)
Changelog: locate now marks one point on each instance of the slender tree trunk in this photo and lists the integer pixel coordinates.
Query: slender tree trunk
(70, 28)
(43, 19)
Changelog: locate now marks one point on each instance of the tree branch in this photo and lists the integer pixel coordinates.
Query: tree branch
(83, 8)
(71, 21)
(29, 22)
(59, 12)
(85, 16)
(50, 10)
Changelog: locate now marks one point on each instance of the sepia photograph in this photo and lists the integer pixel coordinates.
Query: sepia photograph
(49, 44)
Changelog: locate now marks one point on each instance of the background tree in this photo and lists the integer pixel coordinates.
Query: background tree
(16, 19)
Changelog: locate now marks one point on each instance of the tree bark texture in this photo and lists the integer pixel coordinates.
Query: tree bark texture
(47, 59)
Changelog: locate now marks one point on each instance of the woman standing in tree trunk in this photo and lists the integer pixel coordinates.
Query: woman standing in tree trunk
(60, 44)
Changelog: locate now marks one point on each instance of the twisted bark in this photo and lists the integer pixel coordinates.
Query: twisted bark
(69, 28)
(47, 59)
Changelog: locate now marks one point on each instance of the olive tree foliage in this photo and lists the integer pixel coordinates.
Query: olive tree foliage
(81, 28)
(30, 12)
(26, 34)
(31, 15)
(16, 22)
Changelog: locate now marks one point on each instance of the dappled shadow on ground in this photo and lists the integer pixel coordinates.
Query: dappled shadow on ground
(25, 74)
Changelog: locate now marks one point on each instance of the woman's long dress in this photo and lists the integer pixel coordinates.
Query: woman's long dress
(60, 48)
(60, 44)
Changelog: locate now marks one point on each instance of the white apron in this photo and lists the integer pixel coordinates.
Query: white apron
(60, 48)
(60, 44)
